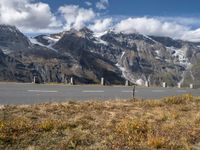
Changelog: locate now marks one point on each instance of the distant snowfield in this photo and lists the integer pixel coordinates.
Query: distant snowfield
(50, 40)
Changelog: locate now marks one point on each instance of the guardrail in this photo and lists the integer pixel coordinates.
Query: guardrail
(127, 83)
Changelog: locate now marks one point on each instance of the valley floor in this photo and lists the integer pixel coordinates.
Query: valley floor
(169, 123)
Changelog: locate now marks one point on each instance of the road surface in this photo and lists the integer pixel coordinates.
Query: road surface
(19, 93)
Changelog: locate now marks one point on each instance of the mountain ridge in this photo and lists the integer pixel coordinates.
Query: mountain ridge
(117, 57)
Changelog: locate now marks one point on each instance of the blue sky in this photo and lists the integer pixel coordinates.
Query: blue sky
(179, 19)
(189, 8)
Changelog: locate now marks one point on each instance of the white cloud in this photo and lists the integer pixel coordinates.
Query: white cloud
(36, 17)
(177, 29)
(186, 21)
(27, 15)
(88, 3)
(102, 4)
(151, 26)
(192, 35)
(76, 17)
(101, 25)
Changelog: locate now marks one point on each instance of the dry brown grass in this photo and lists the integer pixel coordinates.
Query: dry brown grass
(170, 123)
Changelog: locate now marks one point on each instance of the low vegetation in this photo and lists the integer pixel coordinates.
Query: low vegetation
(170, 123)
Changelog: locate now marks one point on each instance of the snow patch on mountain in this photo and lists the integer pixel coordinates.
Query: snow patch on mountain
(52, 40)
(180, 58)
(158, 54)
(126, 73)
(98, 38)
(180, 55)
(123, 69)
(149, 38)
(5, 50)
(118, 65)
(35, 41)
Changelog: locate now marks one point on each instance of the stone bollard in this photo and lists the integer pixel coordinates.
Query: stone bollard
(127, 83)
(191, 86)
(34, 79)
(65, 81)
(147, 84)
(71, 81)
(102, 81)
(164, 84)
(179, 85)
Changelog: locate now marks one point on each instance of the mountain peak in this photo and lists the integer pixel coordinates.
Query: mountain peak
(8, 28)
(83, 32)
(86, 30)
(13, 39)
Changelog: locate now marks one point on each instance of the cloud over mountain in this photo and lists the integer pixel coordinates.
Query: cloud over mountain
(76, 17)
(27, 15)
(150, 26)
(158, 27)
(101, 25)
(32, 16)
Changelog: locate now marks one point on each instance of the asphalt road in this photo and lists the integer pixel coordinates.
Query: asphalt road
(18, 93)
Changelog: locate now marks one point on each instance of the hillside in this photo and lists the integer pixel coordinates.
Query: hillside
(170, 123)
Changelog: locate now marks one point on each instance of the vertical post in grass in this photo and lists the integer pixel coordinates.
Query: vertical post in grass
(102, 81)
(134, 92)
(4, 113)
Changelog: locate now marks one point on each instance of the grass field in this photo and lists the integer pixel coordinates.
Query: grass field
(169, 123)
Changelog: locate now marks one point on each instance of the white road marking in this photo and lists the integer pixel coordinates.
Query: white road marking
(128, 91)
(118, 86)
(42, 91)
(181, 91)
(23, 83)
(157, 91)
(93, 91)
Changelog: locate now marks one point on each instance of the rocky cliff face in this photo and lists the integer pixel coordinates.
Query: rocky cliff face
(88, 56)
(12, 69)
(12, 40)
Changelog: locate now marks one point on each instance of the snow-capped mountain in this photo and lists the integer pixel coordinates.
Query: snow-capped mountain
(88, 56)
